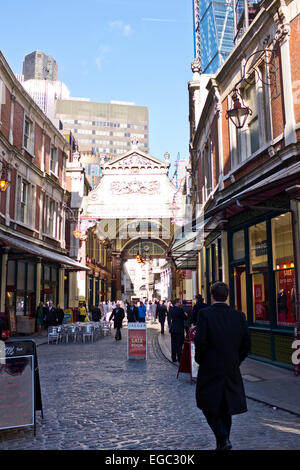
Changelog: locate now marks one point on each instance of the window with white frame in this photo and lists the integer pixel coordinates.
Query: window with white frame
(54, 160)
(206, 170)
(51, 217)
(26, 203)
(28, 135)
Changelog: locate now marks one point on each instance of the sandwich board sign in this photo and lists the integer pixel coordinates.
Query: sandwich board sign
(137, 341)
(20, 392)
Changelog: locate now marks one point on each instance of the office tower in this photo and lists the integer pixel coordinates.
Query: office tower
(45, 93)
(39, 79)
(103, 130)
(213, 33)
(39, 66)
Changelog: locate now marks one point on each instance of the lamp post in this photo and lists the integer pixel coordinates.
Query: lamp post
(239, 112)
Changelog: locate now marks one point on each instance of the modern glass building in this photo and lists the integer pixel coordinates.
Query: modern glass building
(213, 32)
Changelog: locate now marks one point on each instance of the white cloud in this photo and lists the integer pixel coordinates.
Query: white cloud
(159, 20)
(121, 27)
(103, 52)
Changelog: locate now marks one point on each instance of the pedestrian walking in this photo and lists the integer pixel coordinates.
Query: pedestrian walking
(132, 313)
(178, 317)
(96, 313)
(162, 313)
(142, 312)
(117, 315)
(222, 342)
(39, 318)
(199, 305)
(60, 314)
(169, 305)
(188, 311)
(152, 311)
(50, 318)
(82, 312)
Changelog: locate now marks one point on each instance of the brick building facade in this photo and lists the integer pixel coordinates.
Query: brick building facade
(35, 264)
(245, 181)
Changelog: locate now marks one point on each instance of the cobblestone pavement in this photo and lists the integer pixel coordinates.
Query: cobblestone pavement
(93, 398)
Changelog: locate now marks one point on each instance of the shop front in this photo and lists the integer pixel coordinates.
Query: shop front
(262, 282)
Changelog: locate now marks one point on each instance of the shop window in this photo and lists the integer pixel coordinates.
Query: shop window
(283, 265)
(238, 245)
(259, 272)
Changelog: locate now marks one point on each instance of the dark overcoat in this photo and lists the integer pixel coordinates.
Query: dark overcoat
(222, 342)
(132, 314)
(162, 313)
(117, 316)
(196, 309)
(177, 320)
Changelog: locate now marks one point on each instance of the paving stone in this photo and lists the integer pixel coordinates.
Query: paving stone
(93, 398)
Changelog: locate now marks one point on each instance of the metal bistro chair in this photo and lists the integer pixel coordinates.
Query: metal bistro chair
(54, 334)
(97, 330)
(106, 328)
(71, 331)
(88, 332)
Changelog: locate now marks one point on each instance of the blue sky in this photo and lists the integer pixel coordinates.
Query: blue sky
(128, 50)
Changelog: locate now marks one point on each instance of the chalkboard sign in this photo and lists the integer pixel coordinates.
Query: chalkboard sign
(20, 393)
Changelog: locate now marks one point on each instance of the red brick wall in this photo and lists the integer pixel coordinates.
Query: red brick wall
(18, 125)
(277, 108)
(47, 153)
(295, 64)
(13, 191)
(5, 114)
(215, 151)
(3, 202)
(225, 139)
(37, 208)
(60, 165)
(38, 143)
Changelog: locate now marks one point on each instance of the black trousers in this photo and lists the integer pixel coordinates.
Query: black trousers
(177, 340)
(220, 422)
(162, 326)
(118, 335)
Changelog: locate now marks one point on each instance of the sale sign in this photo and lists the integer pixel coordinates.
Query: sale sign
(137, 341)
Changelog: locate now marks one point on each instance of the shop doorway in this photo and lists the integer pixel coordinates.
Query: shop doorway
(240, 291)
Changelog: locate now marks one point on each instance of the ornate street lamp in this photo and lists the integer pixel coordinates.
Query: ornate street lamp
(4, 183)
(239, 112)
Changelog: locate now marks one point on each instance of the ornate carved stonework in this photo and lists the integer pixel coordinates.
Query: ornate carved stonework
(136, 160)
(135, 186)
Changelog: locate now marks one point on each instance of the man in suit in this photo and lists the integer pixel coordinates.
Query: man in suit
(117, 315)
(222, 342)
(51, 315)
(199, 305)
(132, 313)
(178, 317)
(162, 313)
(96, 313)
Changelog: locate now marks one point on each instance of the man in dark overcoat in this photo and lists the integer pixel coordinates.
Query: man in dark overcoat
(222, 342)
(51, 315)
(178, 317)
(162, 313)
(132, 313)
(117, 315)
(199, 305)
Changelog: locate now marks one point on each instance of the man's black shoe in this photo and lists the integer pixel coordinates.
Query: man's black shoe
(223, 444)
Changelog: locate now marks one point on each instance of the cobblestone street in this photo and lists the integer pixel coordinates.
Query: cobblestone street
(93, 398)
